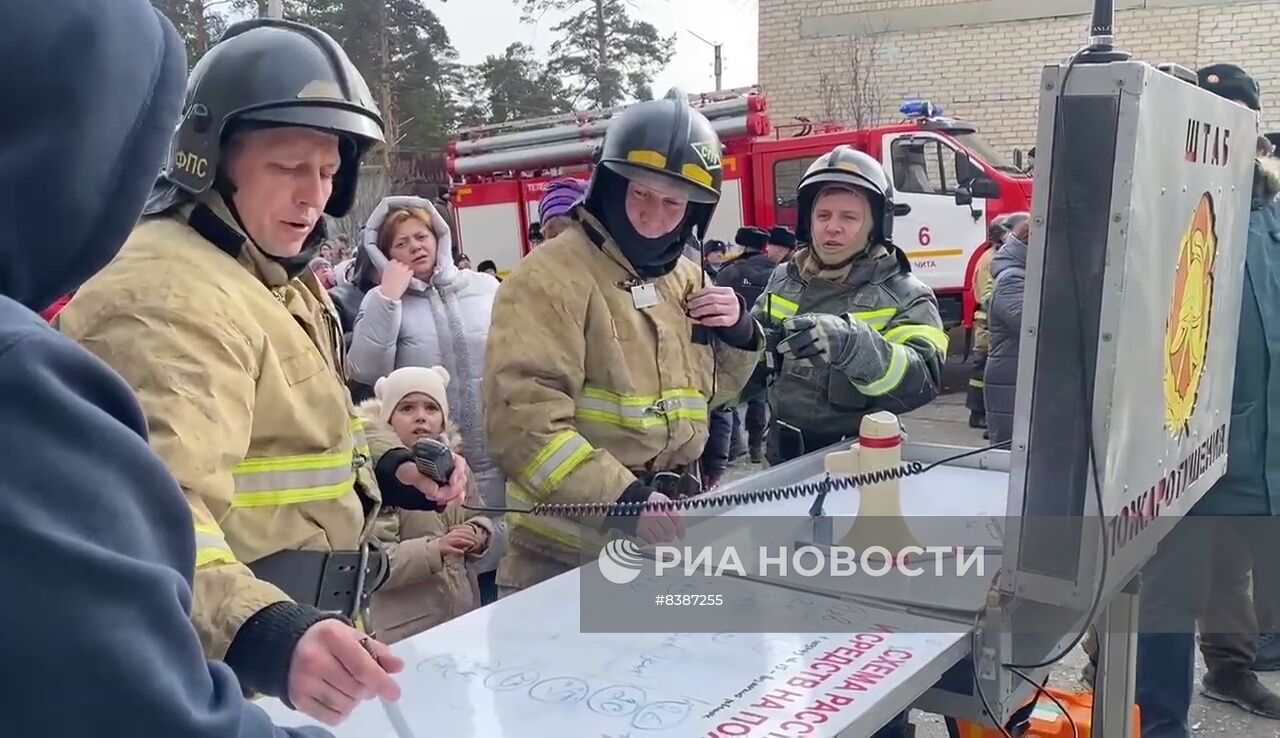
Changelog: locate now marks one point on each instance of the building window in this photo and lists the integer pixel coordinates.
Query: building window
(924, 166)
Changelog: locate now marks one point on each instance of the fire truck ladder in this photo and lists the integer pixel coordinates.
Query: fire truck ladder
(559, 140)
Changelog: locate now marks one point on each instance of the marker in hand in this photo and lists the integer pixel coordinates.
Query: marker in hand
(394, 714)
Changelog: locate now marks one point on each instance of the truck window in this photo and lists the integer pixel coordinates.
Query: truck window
(786, 177)
(982, 150)
(926, 167)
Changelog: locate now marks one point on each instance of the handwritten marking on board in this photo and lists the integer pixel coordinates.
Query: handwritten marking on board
(450, 668)
(666, 653)
(847, 615)
(509, 679)
(560, 690)
(661, 715)
(617, 701)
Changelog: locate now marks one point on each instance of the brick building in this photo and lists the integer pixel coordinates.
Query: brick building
(981, 59)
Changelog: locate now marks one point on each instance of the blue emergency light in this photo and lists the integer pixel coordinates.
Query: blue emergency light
(922, 109)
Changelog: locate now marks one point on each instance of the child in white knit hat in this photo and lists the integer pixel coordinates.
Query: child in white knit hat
(431, 553)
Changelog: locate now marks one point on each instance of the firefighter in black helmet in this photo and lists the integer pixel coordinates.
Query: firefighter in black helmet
(855, 331)
(608, 347)
(234, 350)
(665, 147)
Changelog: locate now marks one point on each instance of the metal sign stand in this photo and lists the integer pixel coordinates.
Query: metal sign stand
(1114, 688)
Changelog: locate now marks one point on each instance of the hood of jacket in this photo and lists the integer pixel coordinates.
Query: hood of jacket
(95, 124)
(446, 272)
(1013, 253)
(876, 263)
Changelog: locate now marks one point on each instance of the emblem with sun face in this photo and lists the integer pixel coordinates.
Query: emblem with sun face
(1187, 330)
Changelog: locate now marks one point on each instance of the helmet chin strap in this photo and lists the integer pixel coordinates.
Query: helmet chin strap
(292, 265)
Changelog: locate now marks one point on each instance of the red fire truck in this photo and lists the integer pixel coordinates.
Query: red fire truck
(953, 181)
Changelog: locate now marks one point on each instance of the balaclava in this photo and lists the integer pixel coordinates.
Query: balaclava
(651, 257)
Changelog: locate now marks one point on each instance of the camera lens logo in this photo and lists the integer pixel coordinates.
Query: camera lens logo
(620, 561)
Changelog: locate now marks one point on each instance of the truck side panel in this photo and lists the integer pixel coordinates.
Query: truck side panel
(490, 223)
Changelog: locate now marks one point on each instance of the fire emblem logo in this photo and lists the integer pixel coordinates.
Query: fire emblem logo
(1187, 332)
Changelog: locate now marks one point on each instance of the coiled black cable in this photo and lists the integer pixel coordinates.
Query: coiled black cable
(706, 502)
(709, 502)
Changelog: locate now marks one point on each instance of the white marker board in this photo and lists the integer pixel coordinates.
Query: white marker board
(521, 669)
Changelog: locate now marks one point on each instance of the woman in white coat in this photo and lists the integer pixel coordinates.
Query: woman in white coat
(427, 312)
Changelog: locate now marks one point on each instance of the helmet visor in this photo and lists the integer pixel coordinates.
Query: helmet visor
(666, 182)
(839, 177)
(361, 126)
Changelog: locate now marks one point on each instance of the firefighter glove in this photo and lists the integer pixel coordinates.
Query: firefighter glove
(814, 336)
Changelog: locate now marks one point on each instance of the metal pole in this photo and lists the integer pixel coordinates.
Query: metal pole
(275, 8)
(717, 50)
(1115, 679)
(719, 67)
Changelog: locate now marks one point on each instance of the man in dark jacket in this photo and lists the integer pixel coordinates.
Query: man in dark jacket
(748, 275)
(95, 533)
(723, 423)
(714, 255)
(1234, 522)
(782, 242)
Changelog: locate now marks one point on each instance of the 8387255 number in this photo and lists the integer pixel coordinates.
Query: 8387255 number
(689, 600)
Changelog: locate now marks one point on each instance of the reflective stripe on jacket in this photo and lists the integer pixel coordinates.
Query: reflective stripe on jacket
(581, 387)
(896, 348)
(235, 367)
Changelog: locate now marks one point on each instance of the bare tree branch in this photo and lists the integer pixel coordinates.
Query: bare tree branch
(853, 94)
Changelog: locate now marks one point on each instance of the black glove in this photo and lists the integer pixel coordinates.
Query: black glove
(814, 335)
(625, 521)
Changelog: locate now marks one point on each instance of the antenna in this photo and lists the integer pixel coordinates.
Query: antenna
(1101, 47)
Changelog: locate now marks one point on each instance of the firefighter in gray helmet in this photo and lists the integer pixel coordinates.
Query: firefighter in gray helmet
(234, 351)
(606, 400)
(853, 331)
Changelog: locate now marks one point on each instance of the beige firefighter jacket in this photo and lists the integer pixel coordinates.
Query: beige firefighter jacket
(425, 588)
(238, 370)
(983, 285)
(583, 389)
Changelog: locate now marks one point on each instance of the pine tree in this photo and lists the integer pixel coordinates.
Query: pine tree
(512, 86)
(405, 55)
(198, 23)
(612, 56)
